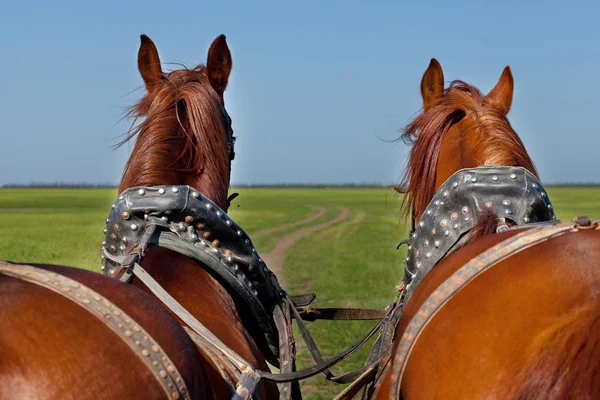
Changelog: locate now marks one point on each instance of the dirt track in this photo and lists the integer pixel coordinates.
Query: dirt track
(313, 217)
(276, 257)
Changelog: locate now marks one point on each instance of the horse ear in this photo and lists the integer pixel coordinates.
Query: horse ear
(149, 63)
(218, 65)
(432, 84)
(500, 97)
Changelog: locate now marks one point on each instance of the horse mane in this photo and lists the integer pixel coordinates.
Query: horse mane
(182, 113)
(426, 131)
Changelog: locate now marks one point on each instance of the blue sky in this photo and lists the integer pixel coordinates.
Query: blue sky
(318, 88)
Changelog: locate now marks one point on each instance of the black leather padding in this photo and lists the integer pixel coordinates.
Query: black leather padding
(193, 225)
(513, 194)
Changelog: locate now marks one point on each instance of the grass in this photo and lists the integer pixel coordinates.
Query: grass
(353, 263)
(55, 226)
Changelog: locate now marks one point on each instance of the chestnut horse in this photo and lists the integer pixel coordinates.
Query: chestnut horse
(526, 328)
(52, 347)
(186, 139)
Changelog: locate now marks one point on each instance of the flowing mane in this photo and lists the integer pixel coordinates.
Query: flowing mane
(175, 137)
(502, 145)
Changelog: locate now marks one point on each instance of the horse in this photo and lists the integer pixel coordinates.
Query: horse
(186, 142)
(68, 329)
(527, 326)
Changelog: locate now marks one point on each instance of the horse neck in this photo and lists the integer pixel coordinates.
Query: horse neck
(205, 298)
(453, 156)
(214, 185)
(146, 167)
(467, 145)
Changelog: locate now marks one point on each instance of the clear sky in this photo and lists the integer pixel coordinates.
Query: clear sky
(318, 88)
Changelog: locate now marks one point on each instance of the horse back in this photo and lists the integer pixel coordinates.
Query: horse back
(54, 348)
(529, 327)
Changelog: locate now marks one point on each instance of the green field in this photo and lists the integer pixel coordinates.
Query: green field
(354, 263)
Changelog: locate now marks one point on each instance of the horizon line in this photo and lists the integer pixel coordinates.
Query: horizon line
(83, 185)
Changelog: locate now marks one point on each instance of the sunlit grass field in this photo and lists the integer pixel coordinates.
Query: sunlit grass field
(353, 263)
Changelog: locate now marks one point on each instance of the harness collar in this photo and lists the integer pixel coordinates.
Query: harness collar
(512, 193)
(180, 218)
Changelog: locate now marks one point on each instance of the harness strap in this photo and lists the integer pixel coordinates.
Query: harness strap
(460, 279)
(322, 365)
(236, 360)
(301, 300)
(314, 370)
(125, 274)
(138, 340)
(310, 344)
(230, 365)
(227, 369)
(188, 318)
(343, 314)
(287, 350)
(247, 385)
(353, 390)
(171, 241)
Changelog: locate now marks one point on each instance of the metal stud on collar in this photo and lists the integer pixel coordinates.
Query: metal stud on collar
(504, 190)
(184, 212)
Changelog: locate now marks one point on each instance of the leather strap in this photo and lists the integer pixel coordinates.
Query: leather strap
(301, 300)
(226, 276)
(138, 340)
(343, 314)
(322, 365)
(247, 384)
(241, 364)
(186, 317)
(287, 351)
(228, 370)
(352, 391)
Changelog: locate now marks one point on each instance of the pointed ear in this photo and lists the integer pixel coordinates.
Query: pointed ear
(500, 97)
(432, 84)
(149, 63)
(218, 65)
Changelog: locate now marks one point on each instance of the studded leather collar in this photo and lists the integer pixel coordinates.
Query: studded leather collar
(205, 228)
(512, 193)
